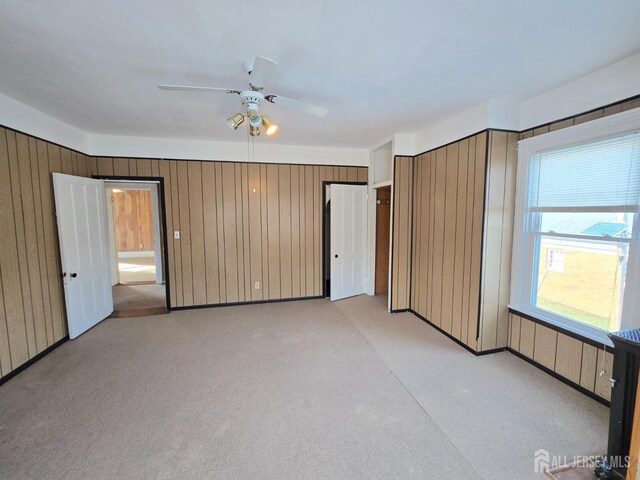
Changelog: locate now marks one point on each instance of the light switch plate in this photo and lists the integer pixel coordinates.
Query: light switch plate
(176, 235)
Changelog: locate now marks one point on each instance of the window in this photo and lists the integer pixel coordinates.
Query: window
(576, 240)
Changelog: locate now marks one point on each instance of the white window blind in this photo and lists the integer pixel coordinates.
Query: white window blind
(604, 175)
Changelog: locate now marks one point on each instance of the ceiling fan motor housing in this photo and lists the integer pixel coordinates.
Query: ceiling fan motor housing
(251, 100)
(250, 96)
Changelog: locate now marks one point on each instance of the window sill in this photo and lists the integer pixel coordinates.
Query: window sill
(585, 334)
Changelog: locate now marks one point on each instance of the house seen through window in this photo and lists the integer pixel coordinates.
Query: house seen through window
(580, 233)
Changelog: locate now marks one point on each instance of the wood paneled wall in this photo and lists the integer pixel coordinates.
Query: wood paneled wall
(499, 210)
(32, 311)
(460, 218)
(447, 236)
(401, 234)
(133, 218)
(578, 362)
(239, 223)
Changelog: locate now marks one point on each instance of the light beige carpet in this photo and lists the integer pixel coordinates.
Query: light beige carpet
(307, 389)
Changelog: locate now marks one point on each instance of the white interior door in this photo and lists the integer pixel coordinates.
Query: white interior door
(348, 240)
(81, 211)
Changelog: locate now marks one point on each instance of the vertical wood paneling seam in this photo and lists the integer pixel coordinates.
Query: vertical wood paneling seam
(432, 222)
(266, 188)
(300, 169)
(37, 252)
(279, 229)
(6, 315)
(487, 188)
(19, 199)
(246, 238)
(175, 201)
(264, 235)
(239, 226)
(204, 237)
(9, 367)
(46, 260)
(222, 268)
(465, 315)
(291, 236)
(13, 213)
(415, 270)
(251, 278)
(169, 235)
(224, 236)
(581, 362)
(414, 289)
(455, 238)
(188, 197)
(555, 354)
(595, 373)
(444, 230)
(520, 337)
(504, 196)
(41, 262)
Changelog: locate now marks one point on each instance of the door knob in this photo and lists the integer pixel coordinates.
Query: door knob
(336, 255)
(73, 275)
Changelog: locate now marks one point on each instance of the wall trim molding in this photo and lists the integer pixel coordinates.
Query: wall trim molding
(251, 302)
(32, 360)
(557, 376)
(592, 110)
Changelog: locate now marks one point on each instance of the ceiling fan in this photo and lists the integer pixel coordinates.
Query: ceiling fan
(258, 69)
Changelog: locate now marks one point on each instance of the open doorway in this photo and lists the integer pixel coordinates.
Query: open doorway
(383, 234)
(136, 240)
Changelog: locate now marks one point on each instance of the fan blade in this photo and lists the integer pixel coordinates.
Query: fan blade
(186, 88)
(261, 71)
(297, 105)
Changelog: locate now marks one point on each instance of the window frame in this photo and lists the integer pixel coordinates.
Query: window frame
(526, 224)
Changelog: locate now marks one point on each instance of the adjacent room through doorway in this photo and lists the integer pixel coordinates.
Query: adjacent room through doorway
(136, 241)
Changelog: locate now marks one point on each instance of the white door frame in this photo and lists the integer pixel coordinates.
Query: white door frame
(152, 186)
(115, 271)
(326, 184)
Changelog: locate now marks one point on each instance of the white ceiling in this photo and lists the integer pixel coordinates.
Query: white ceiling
(379, 66)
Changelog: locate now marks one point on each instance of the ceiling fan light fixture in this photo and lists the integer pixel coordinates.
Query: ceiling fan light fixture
(235, 121)
(258, 69)
(270, 128)
(253, 115)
